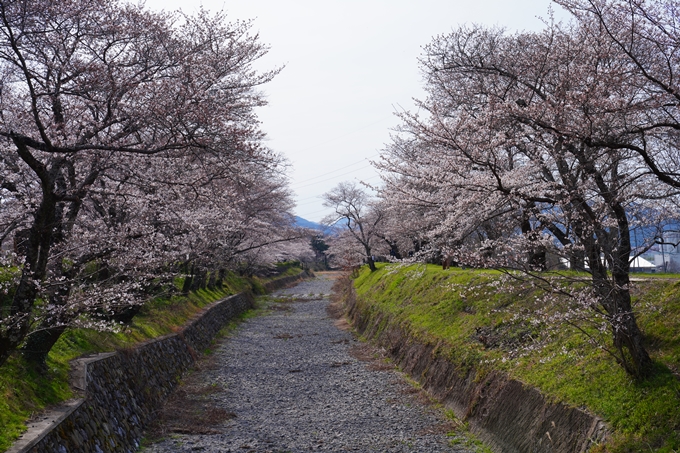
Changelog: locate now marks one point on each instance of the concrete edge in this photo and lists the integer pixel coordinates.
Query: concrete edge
(283, 282)
(43, 425)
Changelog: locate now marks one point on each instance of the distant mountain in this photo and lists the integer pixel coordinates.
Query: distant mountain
(304, 223)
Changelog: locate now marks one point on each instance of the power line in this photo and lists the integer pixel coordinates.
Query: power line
(345, 135)
(317, 212)
(308, 203)
(309, 198)
(325, 180)
(372, 177)
(339, 169)
(317, 198)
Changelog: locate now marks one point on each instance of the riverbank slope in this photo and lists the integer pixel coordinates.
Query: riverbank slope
(499, 335)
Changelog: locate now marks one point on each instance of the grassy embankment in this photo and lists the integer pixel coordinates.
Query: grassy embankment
(24, 392)
(489, 322)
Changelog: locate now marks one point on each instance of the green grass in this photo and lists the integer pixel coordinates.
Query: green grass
(487, 322)
(288, 269)
(24, 392)
(461, 436)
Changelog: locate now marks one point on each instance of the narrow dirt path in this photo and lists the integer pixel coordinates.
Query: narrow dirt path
(293, 380)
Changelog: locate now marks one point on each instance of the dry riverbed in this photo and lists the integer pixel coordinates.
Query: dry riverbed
(294, 380)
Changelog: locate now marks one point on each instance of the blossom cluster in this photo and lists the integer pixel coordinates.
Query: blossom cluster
(543, 151)
(130, 148)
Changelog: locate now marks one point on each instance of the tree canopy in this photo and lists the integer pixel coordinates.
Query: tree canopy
(130, 142)
(549, 145)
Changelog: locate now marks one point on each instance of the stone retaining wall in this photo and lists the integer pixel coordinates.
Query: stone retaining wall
(507, 415)
(124, 389)
(287, 281)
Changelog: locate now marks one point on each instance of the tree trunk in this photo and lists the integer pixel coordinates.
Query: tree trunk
(34, 270)
(577, 262)
(189, 280)
(626, 335)
(369, 258)
(211, 281)
(628, 338)
(536, 257)
(629, 342)
(614, 294)
(371, 263)
(40, 343)
(221, 274)
(199, 280)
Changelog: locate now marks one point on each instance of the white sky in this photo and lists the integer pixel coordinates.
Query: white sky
(349, 65)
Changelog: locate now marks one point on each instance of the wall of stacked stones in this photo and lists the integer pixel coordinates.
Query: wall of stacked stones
(286, 281)
(123, 390)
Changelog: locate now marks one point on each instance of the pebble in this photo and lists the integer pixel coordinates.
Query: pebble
(294, 386)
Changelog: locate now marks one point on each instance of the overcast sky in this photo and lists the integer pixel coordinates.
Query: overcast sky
(349, 65)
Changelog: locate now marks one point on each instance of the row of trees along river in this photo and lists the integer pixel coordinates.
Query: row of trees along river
(131, 150)
(534, 152)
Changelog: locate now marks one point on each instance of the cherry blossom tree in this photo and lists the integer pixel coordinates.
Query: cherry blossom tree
(646, 36)
(116, 122)
(205, 221)
(356, 218)
(503, 157)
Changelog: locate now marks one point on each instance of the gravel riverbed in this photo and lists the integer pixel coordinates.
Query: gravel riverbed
(295, 380)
